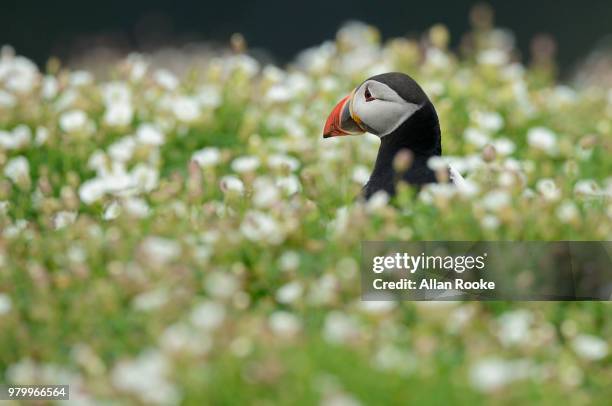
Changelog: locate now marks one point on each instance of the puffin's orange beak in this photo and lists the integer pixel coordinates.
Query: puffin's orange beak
(340, 121)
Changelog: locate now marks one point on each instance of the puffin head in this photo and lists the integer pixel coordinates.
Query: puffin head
(379, 105)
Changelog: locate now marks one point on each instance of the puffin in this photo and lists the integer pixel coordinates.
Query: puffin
(395, 108)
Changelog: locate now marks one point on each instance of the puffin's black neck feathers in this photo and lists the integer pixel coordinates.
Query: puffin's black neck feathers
(421, 135)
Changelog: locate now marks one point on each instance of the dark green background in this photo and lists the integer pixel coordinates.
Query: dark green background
(283, 27)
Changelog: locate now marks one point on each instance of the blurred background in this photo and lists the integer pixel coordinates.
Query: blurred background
(174, 229)
(83, 33)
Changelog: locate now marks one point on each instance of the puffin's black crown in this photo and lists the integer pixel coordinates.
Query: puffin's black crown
(406, 87)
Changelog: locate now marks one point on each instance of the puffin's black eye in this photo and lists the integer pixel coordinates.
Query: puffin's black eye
(368, 95)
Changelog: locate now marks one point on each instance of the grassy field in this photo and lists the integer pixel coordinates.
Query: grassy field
(194, 240)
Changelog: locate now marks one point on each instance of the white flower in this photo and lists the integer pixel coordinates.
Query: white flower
(504, 146)
(20, 137)
(284, 324)
(149, 134)
(360, 175)
(92, 190)
(138, 67)
(166, 79)
(73, 120)
(590, 347)
(434, 87)
(42, 134)
(496, 199)
(123, 149)
(112, 211)
(339, 398)
(543, 139)
(4, 205)
(492, 374)
(17, 169)
(436, 58)
(5, 303)
(299, 83)
(207, 157)
(117, 180)
(15, 229)
(231, 184)
(377, 306)
(146, 377)
(246, 163)
(116, 92)
(289, 184)
(468, 188)
(328, 84)
(273, 73)
(23, 372)
(208, 315)
(513, 71)
(476, 137)
(289, 292)
(528, 194)
(182, 338)
(136, 207)
(279, 161)
(19, 74)
(150, 300)
(444, 191)
(265, 193)
(392, 358)
(7, 100)
(586, 187)
(564, 95)
(316, 59)
(340, 328)
(278, 94)
(23, 134)
(144, 177)
(119, 114)
(186, 109)
(495, 57)
(258, 227)
(66, 100)
(244, 63)
(567, 212)
(77, 254)
(512, 165)
(209, 96)
(49, 87)
(514, 327)
(160, 251)
(488, 120)
(549, 190)
(377, 201)
(222, 285)
(437, 163)
(80, 78)
(98, 162)
(289, 261)
(490, 222)
(63, 219)
(340, 223)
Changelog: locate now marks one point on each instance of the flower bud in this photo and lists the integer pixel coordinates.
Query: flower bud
(489, 153)
(402, 161)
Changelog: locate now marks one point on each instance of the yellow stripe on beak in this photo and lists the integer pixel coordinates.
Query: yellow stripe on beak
(354, 115)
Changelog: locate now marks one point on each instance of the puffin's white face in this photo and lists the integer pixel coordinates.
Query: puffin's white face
(379, 109)
(373, 107)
